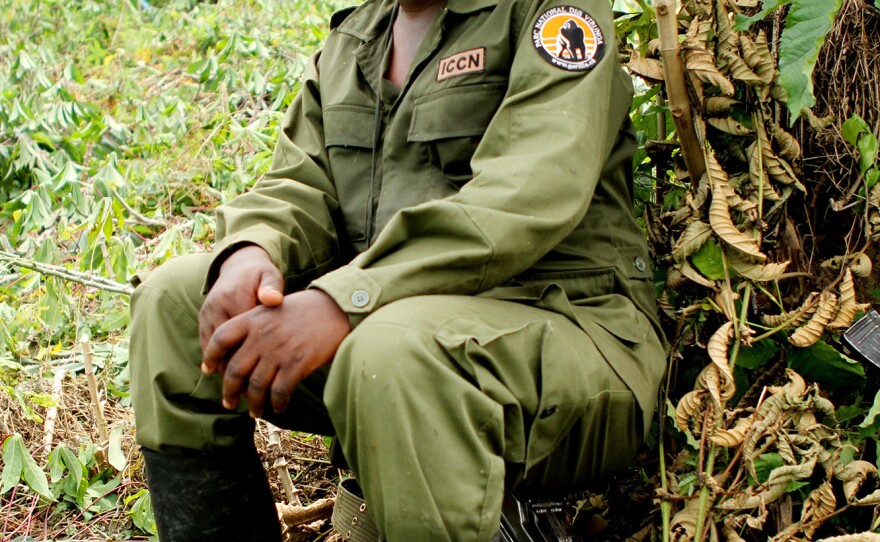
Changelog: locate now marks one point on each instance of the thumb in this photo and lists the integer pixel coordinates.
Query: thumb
(271, 288)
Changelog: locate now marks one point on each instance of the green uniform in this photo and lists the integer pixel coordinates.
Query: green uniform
(504, 327)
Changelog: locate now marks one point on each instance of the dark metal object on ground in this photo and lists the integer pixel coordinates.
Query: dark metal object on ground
(863, 338)
(534, 520)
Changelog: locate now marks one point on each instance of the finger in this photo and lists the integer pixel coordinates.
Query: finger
(282, 388)
(206, 326)
(258, 386)
(226, 338)
(271, 288)
(237, 373)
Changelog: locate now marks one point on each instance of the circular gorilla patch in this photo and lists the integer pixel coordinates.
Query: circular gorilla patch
(569, 38)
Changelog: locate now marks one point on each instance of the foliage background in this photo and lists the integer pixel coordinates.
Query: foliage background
(123, 124)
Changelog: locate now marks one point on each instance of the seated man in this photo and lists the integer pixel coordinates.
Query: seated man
(442, 269)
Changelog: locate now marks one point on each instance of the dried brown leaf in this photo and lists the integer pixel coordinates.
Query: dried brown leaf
(733, 436)
(853, 475)
(812, 331)
(757, 56)
(694, 276)
(693, 238)
(737, 68)
(648, 68)
(788, 145)
(714, 105)
(689, 408)
(701, 63)
(730, 126)
(819, 505)
(757, 272)
(719, 212)
(861, 265)
(860, 537)
(846, 305)
(797, 316)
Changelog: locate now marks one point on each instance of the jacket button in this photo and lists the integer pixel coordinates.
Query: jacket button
(639, 263)
(360, 299)
(549, 411)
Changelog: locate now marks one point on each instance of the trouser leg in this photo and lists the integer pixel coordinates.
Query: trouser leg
(176, 406)
(440, 401)
(204, 474)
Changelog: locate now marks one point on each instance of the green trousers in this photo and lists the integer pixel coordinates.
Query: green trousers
(439, 402)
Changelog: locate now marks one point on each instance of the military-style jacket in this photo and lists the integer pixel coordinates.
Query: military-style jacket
(502, 168)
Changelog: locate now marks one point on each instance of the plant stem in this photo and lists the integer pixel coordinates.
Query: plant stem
(679, 103)
(95, 398)
(86, 279)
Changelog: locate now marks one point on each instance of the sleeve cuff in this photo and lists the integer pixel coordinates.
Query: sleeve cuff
(352, 288)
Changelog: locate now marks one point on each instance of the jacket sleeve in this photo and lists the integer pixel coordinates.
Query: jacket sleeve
(535, 173)
(290, 211)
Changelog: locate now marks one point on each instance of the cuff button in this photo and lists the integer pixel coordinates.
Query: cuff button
(360, 299)
(639, 263)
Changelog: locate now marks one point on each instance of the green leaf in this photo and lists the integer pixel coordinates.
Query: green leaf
(141, 511)
(871, 177)
(870, 426)
(752, 357)
(744, 23)
(709, 261)
(868, 147)
(853, 128)
(35, 478)
(18, 465)
(55, 465)
(806, 26)
(765, 464)
(13, 462)
(823, 364)
(74, 465)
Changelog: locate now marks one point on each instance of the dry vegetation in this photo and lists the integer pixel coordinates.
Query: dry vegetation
(161, 115)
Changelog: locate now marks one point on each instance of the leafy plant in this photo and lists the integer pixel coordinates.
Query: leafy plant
(806, 26)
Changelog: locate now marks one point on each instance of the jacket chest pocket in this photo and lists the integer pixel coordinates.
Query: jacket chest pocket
(348, 136)
(451, 122)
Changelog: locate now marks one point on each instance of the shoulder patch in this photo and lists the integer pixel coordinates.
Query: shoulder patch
(337, 18)
(569, 38)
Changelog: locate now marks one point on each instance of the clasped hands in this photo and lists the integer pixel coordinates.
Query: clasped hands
(262, 342)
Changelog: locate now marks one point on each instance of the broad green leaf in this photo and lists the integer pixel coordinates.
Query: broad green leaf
(744, 23)
(13, 462)
(20, 465)
(853, 129)
(34, 476)
(55, 465)
(74, 465)
(868, 147)
(870, 426)
(806, 26)
(871, 177)
(708, 260)
(823, 364)
(141, 512)
(752, 357)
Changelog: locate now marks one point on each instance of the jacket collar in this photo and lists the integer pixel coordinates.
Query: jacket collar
(371, 17)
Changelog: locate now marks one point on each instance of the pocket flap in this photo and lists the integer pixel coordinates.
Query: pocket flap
(348, 126)
(455, 112)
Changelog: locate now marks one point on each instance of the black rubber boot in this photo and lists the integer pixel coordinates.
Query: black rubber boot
(212, 497)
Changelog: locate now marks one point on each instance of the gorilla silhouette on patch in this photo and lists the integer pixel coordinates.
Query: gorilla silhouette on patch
(570, 41)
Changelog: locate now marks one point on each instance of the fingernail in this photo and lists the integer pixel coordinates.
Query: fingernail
(205, 369)
(228, 404)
